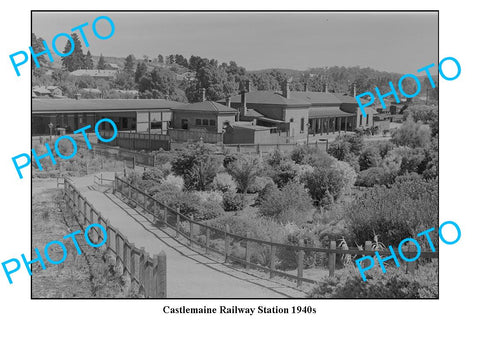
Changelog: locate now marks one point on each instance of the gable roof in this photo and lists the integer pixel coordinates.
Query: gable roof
(269, 98)
(206, 106)
(317, 98)
(96, 105)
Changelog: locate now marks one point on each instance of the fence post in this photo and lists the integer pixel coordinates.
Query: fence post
(161, 271)
(227, 242)
(248, 251)
(301, 254)
(177, 224)
(191, 231)
(411, 266)
(272, 259)
(117, 249)
(141, 270)
(207, 240)
(101, 179)
(165, 211)
(331, 259)
(133, 274)
(126, 258)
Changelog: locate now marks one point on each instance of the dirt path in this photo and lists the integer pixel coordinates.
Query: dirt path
(189, 274)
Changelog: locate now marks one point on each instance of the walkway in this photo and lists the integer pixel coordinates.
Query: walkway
(189, 274)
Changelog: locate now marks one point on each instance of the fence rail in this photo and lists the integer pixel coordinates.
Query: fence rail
(138, 140)
(149, 273)
(237, 248)
(258, 148)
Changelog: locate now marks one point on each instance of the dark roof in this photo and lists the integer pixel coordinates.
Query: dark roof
(98, 105)
(269, 98)
(253, 113)
(206, 106)
(326, 112)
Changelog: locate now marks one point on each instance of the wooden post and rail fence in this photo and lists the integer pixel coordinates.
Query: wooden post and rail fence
(150, 273)
(223, 241)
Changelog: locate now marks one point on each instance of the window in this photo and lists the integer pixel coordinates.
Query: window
(156, 125)
(361, 119)
(212, 122)
(367, 119)
(205, 122)
(302, 124)
(184, 124)
(198, 122)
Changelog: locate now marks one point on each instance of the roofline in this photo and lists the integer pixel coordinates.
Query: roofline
(98, 110)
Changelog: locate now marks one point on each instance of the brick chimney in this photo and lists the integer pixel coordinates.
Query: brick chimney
(325, 86)
(286, 89)
(203, 94)
(354, 89)
(228, 101)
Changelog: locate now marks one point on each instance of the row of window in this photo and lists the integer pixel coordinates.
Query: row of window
(205, 122)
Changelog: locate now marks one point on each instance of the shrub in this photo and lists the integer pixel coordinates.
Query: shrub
(404, 159)
(412, 134)
(259, 183)
(325, 185)
(233, 201)
(370, 157)
(283, 173)
(290, 204)
(229, 159)
(210, 196)
(298, 237)
(224, 182)
(394, 213)
(154, 174)
(175, 181)
(265, 192)
(201, 175)
(191, 205)
(375, 176)
(244, 171)
(275, 158)
(394, 285)
(349, 175)
(185, 160)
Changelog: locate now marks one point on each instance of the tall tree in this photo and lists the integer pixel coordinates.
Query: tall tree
(140, 71)
(76, 60)
(129, 64)
(101, 63)
(88, 61)
(160, 59)
(37, 46)
(160, 83)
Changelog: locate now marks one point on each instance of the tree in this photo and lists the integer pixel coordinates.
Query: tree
(325, 185)
(244, 171)
(412, 134)
(101, 63)
(140, 71)
(160, 58)
(88, 61)
(160, 83)
(129, 63)
(76, 60)
(37, 46)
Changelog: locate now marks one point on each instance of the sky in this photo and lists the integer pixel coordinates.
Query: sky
(399, 42)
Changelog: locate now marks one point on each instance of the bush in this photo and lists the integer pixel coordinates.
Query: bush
(210, 196)
(325, 185)
(369, 158)
(194, 154)
(265, 192)
(287, 257)
(394, 213)
(349, 175)
(404, 159)
(175, 181)
(191, 205)
(224, 182)
(259, 183)
(391, 285)
(414, 135)
(375, 176)
(201, 175)
(290, 204)
(283, 173)
(244, 171)
(233, 201)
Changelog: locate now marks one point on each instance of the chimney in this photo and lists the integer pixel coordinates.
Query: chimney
(203, 94)
(243, 107)
(305, 87)
(286, 89)
(247, 85)
(228, 101)
(354, 89)
(326, 88)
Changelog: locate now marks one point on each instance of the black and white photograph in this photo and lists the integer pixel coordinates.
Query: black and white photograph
(234, 155)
